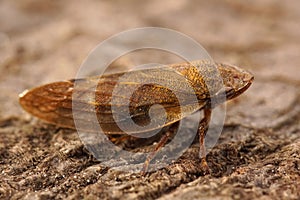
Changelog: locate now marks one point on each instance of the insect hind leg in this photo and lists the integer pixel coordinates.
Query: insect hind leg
(164, 139)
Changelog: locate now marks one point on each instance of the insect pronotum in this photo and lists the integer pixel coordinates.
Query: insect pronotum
(53, 102)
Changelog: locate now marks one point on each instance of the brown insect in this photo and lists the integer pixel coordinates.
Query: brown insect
(53, 102)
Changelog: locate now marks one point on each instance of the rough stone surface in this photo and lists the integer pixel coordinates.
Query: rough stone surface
(258, 153)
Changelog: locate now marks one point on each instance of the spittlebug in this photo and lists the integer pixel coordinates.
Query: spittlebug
(53, 102)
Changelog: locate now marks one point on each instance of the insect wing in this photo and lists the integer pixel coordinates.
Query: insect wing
(115, 101)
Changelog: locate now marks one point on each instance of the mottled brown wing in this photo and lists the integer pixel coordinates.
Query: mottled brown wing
(115, 99)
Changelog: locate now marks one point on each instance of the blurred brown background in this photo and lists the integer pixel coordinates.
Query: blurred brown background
(258, 153)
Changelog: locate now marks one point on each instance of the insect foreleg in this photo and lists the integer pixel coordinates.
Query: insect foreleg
(203, 127)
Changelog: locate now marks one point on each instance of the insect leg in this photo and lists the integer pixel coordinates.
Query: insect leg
(158, 146)
(121, 139)
(203, 126)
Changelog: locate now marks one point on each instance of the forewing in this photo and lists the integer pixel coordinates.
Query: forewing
(114, 100)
